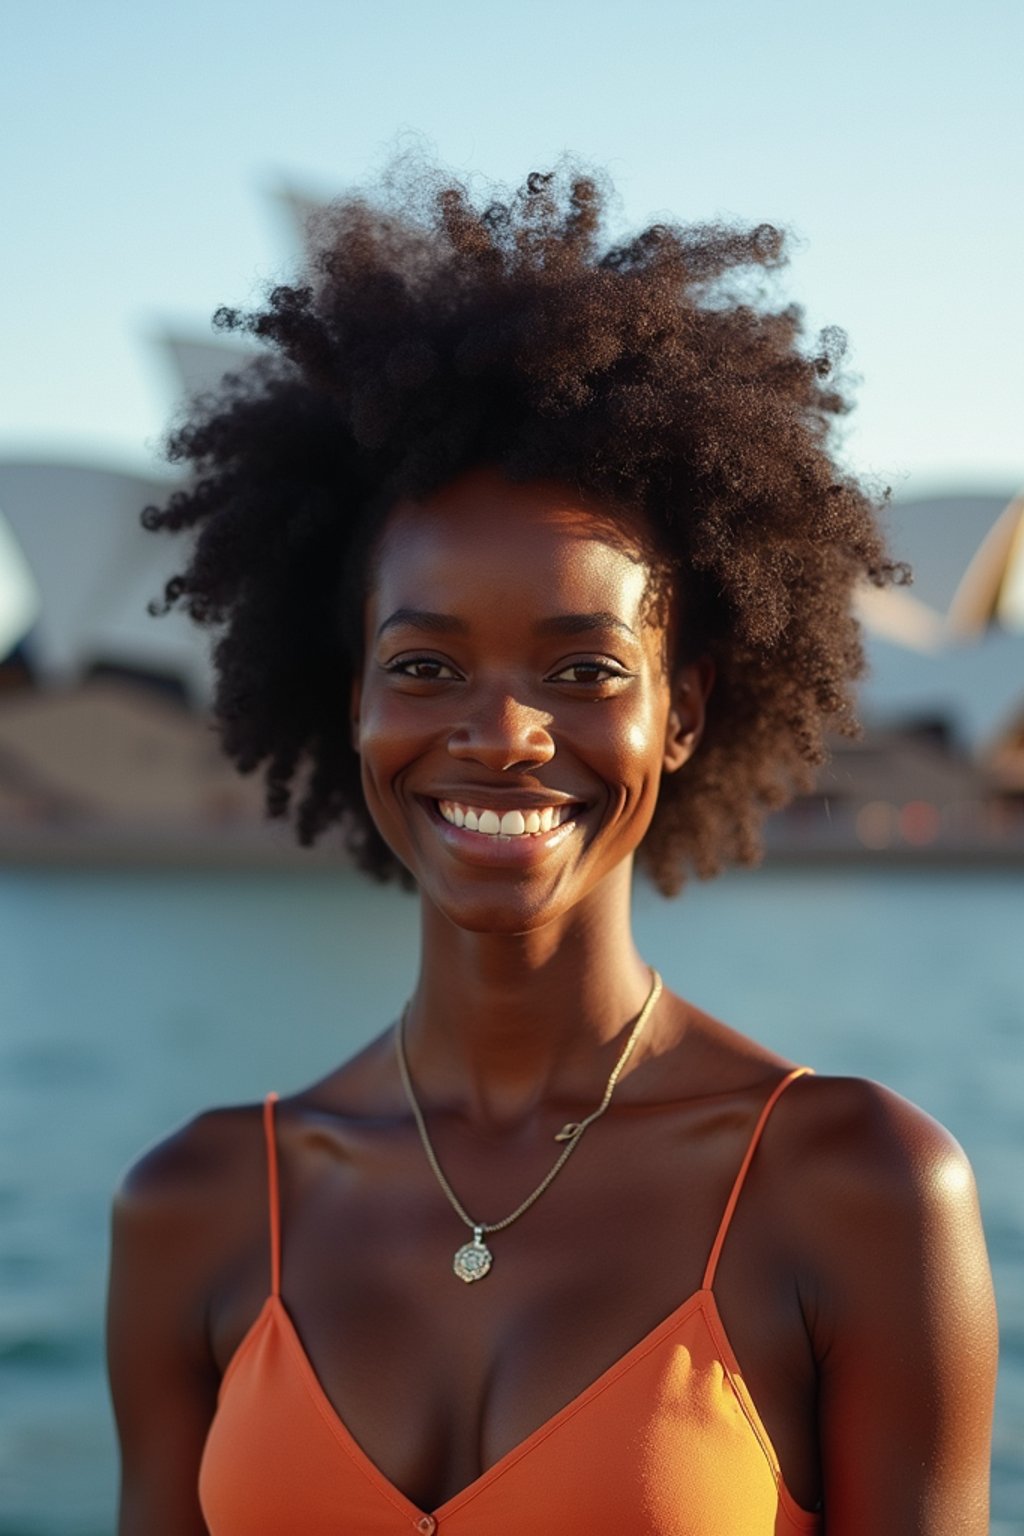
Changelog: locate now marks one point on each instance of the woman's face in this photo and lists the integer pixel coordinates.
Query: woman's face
(515, 714)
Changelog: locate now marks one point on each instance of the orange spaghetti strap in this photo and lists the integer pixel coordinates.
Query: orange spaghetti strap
(275, 1215)
(727, 1215)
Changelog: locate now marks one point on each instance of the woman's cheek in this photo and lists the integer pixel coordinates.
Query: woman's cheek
(384, 729)
(637, 738)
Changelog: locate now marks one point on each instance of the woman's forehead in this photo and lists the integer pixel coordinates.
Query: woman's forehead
(537, 539)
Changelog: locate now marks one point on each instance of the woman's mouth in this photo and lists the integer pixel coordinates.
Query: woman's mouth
(527, 822)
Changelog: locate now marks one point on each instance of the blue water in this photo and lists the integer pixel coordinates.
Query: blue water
(129, 1000)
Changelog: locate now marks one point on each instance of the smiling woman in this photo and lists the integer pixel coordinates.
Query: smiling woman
(531, 550)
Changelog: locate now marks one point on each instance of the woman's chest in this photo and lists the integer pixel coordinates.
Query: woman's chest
(439, 1380)
(666, 1442)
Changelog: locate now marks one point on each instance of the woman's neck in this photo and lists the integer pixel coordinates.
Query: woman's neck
(499, 1022)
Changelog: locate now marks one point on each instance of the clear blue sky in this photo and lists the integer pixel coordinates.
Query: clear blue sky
(139, 143)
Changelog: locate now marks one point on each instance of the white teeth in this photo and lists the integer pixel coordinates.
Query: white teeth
(507, 823)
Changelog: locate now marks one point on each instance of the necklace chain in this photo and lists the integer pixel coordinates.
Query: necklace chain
(572, 1134)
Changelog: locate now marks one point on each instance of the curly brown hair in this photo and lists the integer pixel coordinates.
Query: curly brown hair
(435, 332)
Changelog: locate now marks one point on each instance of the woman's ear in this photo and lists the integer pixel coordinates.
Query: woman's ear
(685, 725)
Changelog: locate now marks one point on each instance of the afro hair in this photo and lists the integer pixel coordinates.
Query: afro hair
(434, 332)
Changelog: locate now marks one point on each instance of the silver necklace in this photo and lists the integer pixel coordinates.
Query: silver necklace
(474, 1259)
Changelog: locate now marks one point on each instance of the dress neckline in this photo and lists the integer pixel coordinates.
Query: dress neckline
(699, 1303)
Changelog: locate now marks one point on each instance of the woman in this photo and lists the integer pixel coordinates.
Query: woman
(532, 554)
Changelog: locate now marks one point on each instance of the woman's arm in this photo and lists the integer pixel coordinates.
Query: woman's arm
(163, 1378)
(903, 1322)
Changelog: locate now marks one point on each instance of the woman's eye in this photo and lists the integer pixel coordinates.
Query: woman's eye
(589, 672)
(426, 669)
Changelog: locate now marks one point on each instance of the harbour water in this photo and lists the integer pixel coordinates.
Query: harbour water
(129, 1000)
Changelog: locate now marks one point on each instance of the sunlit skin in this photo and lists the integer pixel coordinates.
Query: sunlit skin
(512, 659)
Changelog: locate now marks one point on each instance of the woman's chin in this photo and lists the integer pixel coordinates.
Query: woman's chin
(507, 910)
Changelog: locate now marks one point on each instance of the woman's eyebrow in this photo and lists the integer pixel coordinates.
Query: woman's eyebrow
(419, 618)
(581, 623)
(558, 624)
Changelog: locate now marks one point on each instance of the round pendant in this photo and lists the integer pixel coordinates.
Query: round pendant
(474, 1259)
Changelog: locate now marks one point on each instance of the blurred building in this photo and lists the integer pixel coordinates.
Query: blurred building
(906, 793)
(122, 768)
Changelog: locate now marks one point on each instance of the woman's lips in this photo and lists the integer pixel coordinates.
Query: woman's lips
(482, 846)
(494, 821)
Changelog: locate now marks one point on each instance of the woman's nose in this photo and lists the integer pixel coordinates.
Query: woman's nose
(503, 733)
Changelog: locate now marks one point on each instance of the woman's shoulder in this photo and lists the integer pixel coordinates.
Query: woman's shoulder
(218, 1148)
(831, 1133)
(196, 1155)
(872, 1182)
(193, 1199)
(868, 1137)
(827, 1125)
